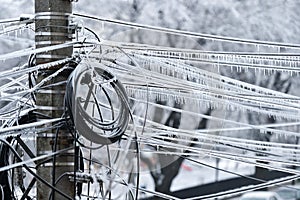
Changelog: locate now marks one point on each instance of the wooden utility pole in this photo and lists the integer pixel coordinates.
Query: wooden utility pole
(52, 28)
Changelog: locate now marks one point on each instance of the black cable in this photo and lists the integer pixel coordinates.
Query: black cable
(109, 168)
(95, 35)
(33, 173)
(31, 75)
(54, 162)
(188, 33)
(4, 21)
(4, 179)
(83, 120)
(56, 181)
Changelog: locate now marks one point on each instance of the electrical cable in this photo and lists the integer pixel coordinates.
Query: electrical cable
(4, 21)
(247, 64)
(54, 163)
(190, 70)
(119, 123)
(82, 76)
(32, 50)
(2, 192)
(29, 170)
(259, 105)
(138, 47)
(250, 145)
(215, 118)
(188, 33)
(242, 190)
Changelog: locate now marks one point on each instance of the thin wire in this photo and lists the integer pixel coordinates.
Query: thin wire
(223, 170)
(209, 76)
(272, 68)
(147, 47)
(239, 159)
(233, 82)
(2, 192)
(242, 87)
(153, 132)
(54, 163)
(30, 125)
(144, 124)
(228, 140)
(23, 70)
(216, 144)
(23, 163)
(221, 154)
(109, 168)
(214, 118)
(242, 190)
(194, 86)
(4, 21)
(188, 33)
(32, 50)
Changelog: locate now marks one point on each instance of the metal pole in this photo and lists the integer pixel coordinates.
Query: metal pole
(52, 27)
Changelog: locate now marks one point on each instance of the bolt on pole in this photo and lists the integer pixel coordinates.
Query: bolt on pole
(51, 28)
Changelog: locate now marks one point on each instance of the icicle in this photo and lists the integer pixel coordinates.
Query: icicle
(258, 48)
(278, 49)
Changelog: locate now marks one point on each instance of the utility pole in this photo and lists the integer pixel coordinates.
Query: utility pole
(51, 28)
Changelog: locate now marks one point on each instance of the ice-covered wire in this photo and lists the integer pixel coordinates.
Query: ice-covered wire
(224, 155)
(171, 67)
(29, 125)
(241, 127)
(25, 69)
(156, 132)
(207, 97)
(14, 29)
(29, 51)
(13, 82)
(188, 33)
(268, 63)
(242, 89)
(219, 119)
(214, 100)
(291, 65)
(213, 143)
(24, 93)
(190, 53)
(23, 19)
(157, 129)
(209, 166)
(226, 149)
(187, 71)
(238, 191)
(267, 91)
(255, 104)
(10, 20)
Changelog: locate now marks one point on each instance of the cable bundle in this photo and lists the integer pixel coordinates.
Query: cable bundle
(91, 99)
